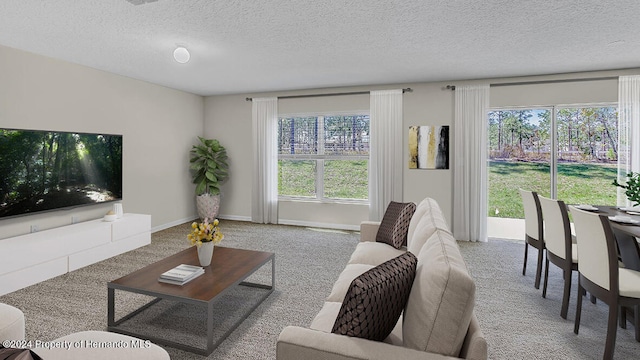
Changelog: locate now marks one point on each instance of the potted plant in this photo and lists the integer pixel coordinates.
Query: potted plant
(209, 168)
(631, 188)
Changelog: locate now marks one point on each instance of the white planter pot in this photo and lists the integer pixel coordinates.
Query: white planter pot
(208, 206)
(205, 253)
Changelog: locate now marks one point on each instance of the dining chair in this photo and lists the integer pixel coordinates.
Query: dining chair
(600, 273)
(560, 249)
(534, 234)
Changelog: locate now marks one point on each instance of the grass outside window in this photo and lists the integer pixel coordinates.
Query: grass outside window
(297, 178)
(346, 179)
(578, 183)
(343, 179)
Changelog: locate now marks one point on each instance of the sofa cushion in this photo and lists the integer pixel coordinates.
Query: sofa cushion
(347, 275)
(376, 299)
(11, 323)
(425, 205)
(395, 224)
(374, 253)
(425, 221)
(325, 319)
(441, 302)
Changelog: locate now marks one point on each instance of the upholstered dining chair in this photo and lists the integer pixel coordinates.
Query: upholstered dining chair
(601, 275)
(560, 249)
(534, 234)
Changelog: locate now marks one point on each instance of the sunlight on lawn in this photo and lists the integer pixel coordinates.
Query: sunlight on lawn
(578, 183)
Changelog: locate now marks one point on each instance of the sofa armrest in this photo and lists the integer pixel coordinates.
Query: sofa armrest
(301, 343)
(369, 230)
(11, 323)
(475, 345)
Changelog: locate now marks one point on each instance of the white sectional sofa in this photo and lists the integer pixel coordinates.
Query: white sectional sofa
(96, 345)
(438, 321)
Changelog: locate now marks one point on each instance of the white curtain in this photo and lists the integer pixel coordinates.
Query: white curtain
(470, 163)
(264, 203)
(628, 130)
(385, 159)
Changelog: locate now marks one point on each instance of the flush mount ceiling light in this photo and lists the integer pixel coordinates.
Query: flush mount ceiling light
(181, 55)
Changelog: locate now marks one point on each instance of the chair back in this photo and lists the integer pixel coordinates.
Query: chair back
(557, 228)
(597, 251)
(532, 214)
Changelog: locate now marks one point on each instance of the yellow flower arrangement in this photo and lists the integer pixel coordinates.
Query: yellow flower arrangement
(205, 232)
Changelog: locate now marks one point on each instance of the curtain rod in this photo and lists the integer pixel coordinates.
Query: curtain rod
(537, 82)
(329, 94)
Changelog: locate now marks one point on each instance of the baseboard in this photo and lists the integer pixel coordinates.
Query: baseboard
(248, 219)
(319, 225)
(172, 224)
(195, 218)
(234, 217)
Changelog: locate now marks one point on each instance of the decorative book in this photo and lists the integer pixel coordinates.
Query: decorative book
(181, 274)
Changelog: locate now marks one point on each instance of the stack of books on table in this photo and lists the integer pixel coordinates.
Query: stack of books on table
(181, 274)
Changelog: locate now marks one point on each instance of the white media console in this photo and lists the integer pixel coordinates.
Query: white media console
(32, 258)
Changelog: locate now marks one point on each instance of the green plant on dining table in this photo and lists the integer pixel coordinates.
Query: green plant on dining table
(631, 188)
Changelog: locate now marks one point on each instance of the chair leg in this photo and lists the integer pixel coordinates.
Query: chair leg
(612, 329)
(526, 253)
(593, 299)
(623, 317)
(539, 268)
(565, 296)
(576, 326)
(636, 321)
(546, 277)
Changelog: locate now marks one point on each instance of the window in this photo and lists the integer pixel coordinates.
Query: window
(564, 152)
(324, 157)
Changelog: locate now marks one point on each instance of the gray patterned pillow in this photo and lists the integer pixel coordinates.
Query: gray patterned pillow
(395, 224)
(375, 300)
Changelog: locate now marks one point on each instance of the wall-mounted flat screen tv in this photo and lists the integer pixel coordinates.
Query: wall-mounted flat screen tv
(50, 170)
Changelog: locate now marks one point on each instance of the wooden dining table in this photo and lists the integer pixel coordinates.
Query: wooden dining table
(626, 235)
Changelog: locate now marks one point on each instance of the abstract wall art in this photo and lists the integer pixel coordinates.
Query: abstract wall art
(429, 147)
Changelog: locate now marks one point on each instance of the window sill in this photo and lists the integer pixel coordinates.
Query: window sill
(324, 201)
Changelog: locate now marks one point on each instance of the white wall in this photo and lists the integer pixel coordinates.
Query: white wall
(228, 118)
(158, 125)
(582, 92)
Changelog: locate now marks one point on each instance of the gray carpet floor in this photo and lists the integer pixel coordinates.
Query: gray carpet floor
(517, 322)
(520, 324)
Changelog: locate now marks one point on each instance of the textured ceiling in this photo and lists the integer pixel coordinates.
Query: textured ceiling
(252, 46)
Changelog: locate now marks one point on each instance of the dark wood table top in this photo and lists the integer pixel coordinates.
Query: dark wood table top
(631, 229)
(228, 267)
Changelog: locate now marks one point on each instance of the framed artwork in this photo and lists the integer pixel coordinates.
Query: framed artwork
(429, 147)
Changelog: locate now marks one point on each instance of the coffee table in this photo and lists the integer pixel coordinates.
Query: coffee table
(229, 268)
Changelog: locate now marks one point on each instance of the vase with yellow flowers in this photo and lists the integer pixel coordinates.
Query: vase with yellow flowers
(204, 236)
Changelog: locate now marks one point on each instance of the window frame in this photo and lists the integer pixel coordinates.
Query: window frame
(321, 157)
(553, 139)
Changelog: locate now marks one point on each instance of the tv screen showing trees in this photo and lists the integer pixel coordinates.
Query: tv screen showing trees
(48, 170)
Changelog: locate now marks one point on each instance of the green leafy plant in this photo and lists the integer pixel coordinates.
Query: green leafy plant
(631, 188)
(209, 166)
